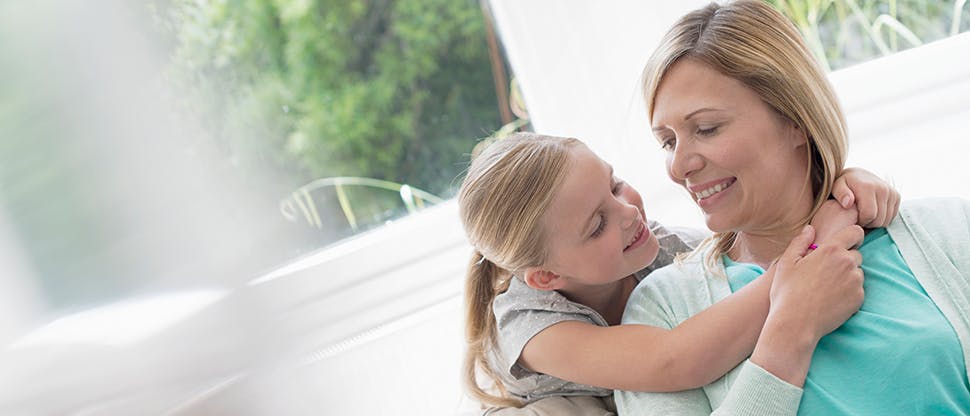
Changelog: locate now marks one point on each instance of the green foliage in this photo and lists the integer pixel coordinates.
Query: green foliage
(846, 32)
(390, 89)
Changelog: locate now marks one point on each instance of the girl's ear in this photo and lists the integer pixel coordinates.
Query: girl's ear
(543, 279)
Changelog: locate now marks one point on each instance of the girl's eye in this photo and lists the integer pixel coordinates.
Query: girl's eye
(600, 227)
(617, 186)
(667, 144)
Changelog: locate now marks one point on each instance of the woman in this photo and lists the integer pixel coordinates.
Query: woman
(753, 130)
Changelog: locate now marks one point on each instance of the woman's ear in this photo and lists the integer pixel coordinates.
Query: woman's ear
(797, 135)
(542, 279)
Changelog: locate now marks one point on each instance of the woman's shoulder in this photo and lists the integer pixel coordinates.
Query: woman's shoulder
(940, 216)
(939, 223)
(674, 292)
(682, 274)
(921, 205)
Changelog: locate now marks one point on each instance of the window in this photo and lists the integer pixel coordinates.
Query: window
(230, 137)
(842, 33)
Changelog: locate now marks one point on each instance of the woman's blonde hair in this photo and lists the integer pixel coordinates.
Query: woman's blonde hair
(501, 202)
(750, 41)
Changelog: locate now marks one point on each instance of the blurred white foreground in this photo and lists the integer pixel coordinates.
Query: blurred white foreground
(373, 325)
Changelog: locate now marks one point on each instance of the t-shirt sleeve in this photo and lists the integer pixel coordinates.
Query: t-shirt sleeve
(520, 326)
(673, 242)
(523, 314)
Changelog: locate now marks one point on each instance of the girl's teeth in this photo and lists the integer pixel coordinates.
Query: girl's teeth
(635, 237)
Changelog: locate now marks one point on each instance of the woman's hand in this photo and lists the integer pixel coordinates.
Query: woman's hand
(821, 287)
(813, 293)
(876, 201)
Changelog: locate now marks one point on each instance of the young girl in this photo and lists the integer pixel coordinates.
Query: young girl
(560, 243)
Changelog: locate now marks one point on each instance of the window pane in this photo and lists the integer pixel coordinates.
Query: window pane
(843, 33)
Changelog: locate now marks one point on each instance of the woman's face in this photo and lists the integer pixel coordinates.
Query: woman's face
(743, 163)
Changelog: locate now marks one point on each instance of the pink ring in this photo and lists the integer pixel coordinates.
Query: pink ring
(812, 246)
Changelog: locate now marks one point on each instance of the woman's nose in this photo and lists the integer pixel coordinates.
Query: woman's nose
(682, 162)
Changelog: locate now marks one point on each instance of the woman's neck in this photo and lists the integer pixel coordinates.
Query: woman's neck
(762, 244)
(760, 248)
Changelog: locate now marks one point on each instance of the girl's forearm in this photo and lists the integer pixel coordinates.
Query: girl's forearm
(647, 358)
(713, 342)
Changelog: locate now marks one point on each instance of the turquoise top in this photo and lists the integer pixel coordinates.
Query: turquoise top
(897, 355)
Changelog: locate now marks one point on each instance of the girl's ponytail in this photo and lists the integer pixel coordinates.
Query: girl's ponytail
(481, 287)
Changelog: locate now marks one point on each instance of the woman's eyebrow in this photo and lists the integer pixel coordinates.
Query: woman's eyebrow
(688, 116)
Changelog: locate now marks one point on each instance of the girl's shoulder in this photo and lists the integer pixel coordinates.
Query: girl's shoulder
(673, 242)
(522, 301)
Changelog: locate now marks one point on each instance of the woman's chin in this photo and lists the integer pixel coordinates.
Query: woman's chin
(716, 224)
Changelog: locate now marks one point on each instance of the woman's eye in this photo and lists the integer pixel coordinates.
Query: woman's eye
(707, 131)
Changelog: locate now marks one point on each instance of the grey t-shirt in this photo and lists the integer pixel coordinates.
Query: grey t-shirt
(521, 312)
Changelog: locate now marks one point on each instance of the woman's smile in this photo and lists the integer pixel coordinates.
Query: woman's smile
(710, 193)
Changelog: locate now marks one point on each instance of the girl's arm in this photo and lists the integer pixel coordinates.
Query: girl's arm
(648, 358)
(831, 217)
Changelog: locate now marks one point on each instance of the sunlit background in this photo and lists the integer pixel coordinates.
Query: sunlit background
(246, 207)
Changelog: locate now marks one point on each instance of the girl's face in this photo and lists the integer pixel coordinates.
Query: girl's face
(595, 225)
(744, 164)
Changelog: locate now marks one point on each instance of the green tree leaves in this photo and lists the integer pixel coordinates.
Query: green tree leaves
(390, 89)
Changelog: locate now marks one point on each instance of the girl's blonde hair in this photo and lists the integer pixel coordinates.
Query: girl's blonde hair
(501, 202)
(750, 41)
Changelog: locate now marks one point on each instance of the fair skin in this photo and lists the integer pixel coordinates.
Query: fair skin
(597, 237)
(739, 159)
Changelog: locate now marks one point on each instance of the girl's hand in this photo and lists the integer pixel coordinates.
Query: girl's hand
(876, 201)
(831, 218)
